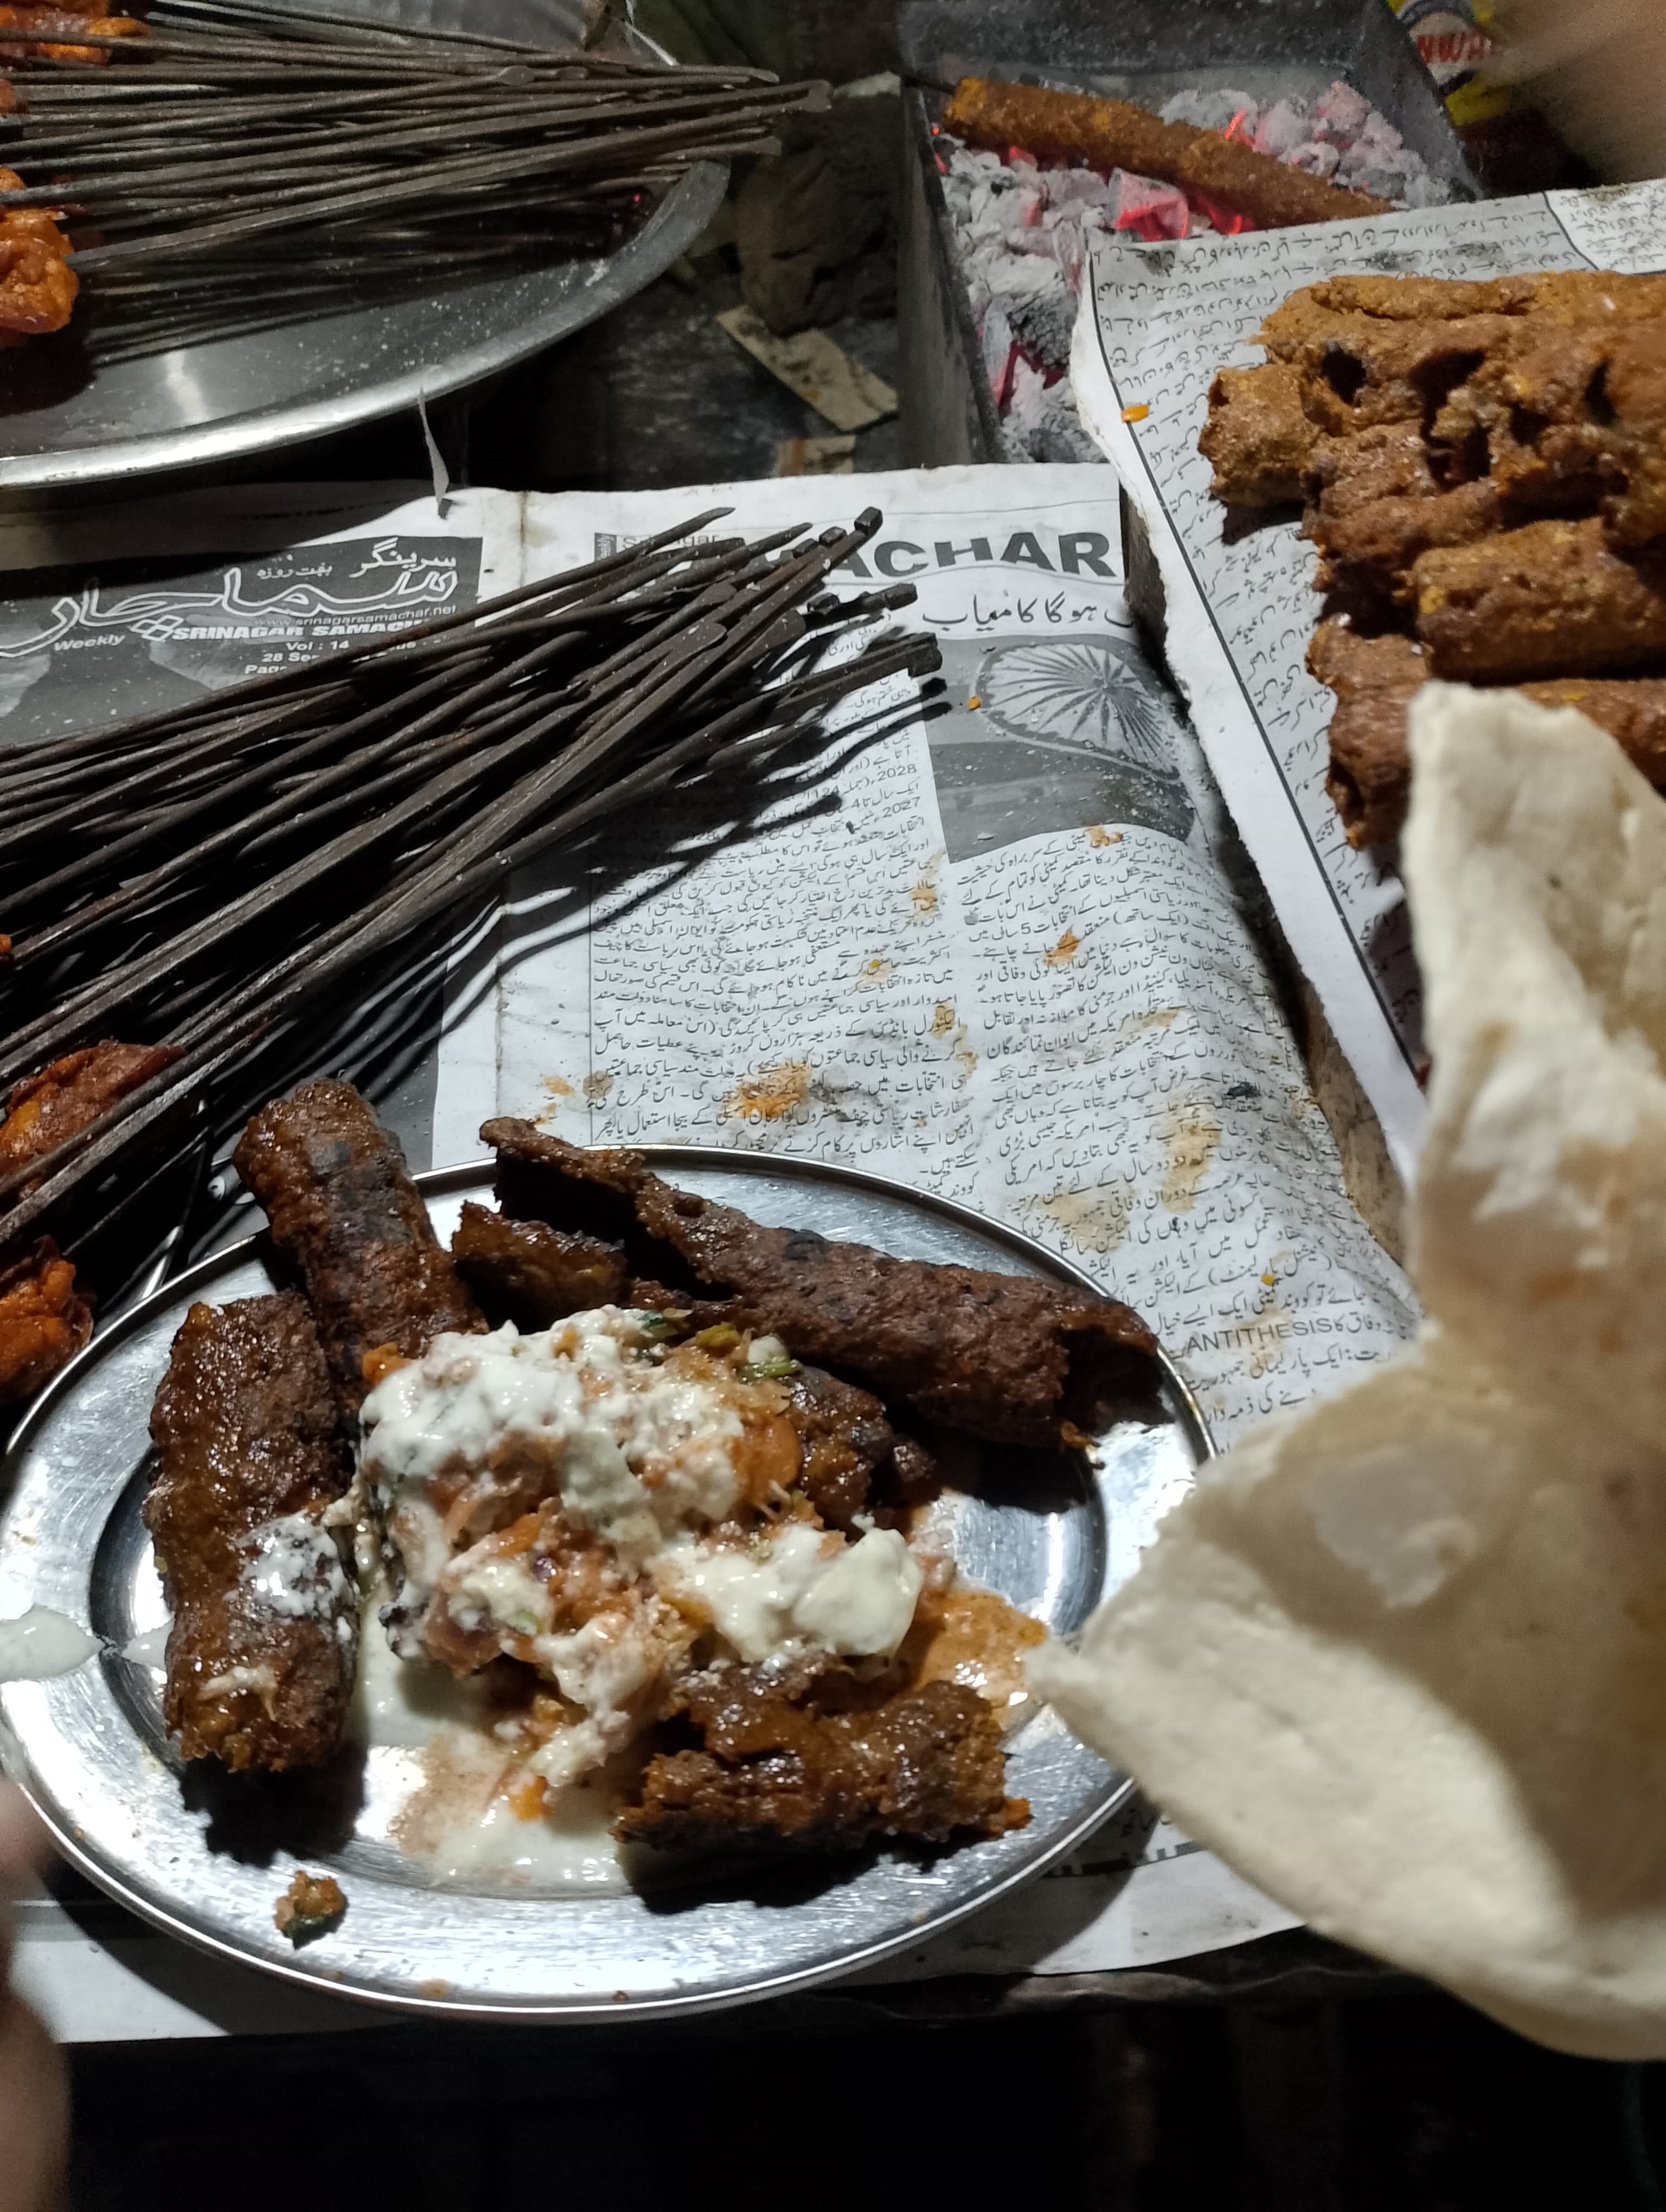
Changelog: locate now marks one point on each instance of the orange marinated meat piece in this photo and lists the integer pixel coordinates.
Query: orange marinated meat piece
(38, 288)
(54, 23)
(45, 1109)
(43, 1321)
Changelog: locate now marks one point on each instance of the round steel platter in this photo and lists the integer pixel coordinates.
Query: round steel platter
(208, 1861)
(61, 423)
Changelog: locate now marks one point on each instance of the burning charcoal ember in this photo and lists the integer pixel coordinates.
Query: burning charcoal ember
(1154, 210)
(1315, 158)
(1346, 111)
(1044, 418)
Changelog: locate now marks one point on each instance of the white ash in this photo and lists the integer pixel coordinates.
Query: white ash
(1340, 136)
(1022, 234)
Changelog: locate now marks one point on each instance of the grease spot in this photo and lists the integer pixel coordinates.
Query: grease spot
(1064, 951)
(1160, 1018)
(770, 1093)
(944, 1018)
(873, 972)
(597, 1084)
(559, 1087)
(1190, 1140)
(1098, 834)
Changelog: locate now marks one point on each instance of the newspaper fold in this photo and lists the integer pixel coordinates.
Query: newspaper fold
(1155, 324)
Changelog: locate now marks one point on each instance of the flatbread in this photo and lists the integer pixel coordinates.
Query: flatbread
(1401, 1658)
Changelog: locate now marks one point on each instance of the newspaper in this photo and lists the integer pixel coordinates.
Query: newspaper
(1155, 324)
(1006, 967)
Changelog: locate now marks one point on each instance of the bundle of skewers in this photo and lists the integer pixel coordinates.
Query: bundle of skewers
(192, 893)
(218, 166)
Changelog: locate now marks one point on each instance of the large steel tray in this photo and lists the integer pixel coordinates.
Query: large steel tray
(205, 1858)
(62, 423)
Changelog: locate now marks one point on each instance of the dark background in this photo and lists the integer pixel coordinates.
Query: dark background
(1390, 2104)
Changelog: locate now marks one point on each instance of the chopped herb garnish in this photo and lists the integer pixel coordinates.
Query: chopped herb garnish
(659, 1326)
(768, 1371)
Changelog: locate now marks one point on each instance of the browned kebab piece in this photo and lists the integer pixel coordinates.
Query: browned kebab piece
(853, 1460)
(251, 1426)
(1009, 1358)
(45, 1316)
(816, 1758)
(1375, 680)
(809, 1764)
(346, 1214)
(1115, 134)
(1484, 465)
(251, 1454)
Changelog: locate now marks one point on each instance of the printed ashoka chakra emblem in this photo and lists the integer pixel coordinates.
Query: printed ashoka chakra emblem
(1077, 694)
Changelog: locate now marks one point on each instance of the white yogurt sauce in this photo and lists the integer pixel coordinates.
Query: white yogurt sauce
(567, 1848)
(640, 1455)
(149, 1647)
(431, 1780)
(41, 1643)
(292, 1566)
(802, 1590)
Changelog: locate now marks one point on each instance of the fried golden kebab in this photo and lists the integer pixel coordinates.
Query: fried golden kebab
(251, 1455)
(1484, 468)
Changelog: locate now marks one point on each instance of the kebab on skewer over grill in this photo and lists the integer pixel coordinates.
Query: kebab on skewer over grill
(1115, 133)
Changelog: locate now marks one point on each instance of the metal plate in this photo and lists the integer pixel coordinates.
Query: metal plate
(208, 1862)
(240, 396)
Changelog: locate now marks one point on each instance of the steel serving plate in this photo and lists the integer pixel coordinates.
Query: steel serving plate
(60, 424)
(205, 1858)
